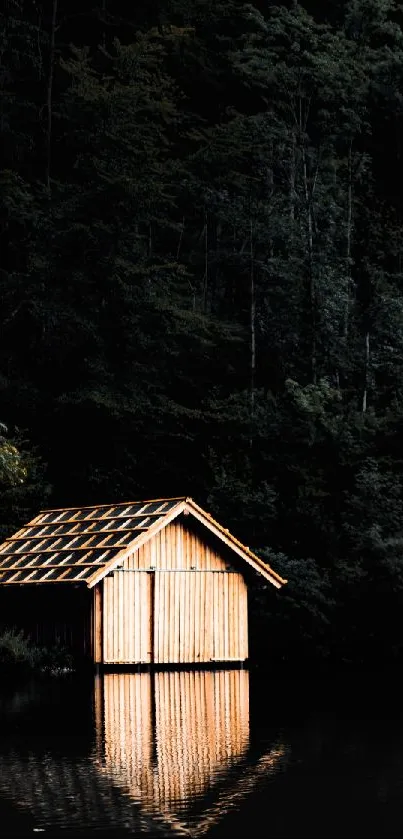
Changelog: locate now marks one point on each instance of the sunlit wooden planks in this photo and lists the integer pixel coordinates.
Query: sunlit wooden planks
(127, 618)
(199, 617)
(97, 629)
(194, 612)
(173, 548)
(229, 607)
(243, 619)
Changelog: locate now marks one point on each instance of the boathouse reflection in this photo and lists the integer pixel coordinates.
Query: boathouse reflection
(174, 740)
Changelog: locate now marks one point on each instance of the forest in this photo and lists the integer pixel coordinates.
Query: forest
(201, 287)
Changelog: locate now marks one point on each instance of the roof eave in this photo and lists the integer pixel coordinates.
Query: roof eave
(189, 506)
(254, 561)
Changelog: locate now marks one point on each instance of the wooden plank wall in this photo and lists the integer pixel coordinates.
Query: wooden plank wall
(193, 611)
(171, 736)
(127, 610)
(177, 546)
(200, 616)
(97, 634)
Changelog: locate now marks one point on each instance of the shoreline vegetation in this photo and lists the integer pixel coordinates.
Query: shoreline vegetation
(20, 657)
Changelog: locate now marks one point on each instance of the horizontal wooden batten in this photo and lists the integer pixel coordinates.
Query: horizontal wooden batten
(173, 570)
(112, 506)
(89, 533)
(48, 566)
(71, 549)
(104, 518)
(227, 659)
(42, 581)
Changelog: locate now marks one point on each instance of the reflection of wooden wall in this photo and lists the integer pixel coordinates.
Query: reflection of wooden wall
(202, 727)
(126, 738)
(65, 793)
(176, 600)
(168, 737)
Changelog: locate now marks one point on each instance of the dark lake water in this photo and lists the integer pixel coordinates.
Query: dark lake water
(206, 754)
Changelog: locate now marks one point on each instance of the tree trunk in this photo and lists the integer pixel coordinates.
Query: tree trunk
(150, 240)
(104, 23)
(182, 230)
(348, 245)
(215, 290)
(292, 180)
(252, 327)
(311, 290)
(205, 281)
(271, 193)
(49, 95)
(366, 372)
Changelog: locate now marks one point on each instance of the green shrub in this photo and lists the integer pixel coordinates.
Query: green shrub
(16, 651)
(53, 659)
(19, 655)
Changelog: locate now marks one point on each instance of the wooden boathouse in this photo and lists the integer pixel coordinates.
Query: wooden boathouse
(147, 583)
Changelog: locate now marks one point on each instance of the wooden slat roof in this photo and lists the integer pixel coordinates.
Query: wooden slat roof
(83, 544)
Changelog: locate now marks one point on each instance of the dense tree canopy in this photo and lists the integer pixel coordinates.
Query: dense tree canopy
(201, 239)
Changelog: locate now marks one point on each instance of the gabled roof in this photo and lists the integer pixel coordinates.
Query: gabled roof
(83, 544)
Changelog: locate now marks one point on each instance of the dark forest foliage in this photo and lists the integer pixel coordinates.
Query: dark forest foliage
(201, 234)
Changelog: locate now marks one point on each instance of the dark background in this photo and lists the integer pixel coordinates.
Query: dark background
(201, 287)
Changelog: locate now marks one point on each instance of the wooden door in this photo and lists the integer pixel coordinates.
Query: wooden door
(199, 616)
(127, 625)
